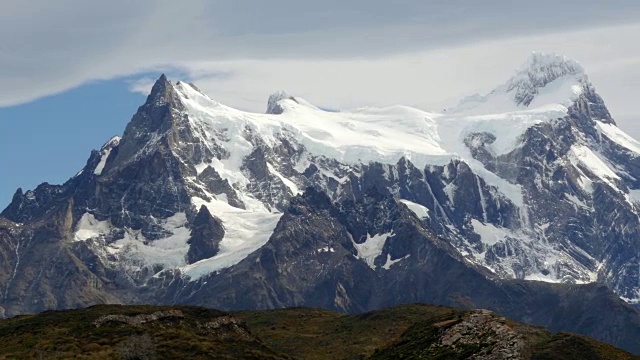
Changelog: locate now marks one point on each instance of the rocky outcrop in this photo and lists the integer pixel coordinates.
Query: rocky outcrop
(206, 234)
(140, 319)
(216, 185)
(481, 329)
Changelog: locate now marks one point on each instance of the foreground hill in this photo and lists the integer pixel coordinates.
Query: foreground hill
(182, 332)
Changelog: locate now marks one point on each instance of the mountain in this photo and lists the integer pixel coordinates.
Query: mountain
(524, 201)
(181, 332)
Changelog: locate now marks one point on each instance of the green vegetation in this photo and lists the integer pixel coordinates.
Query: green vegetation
(320, 334)
(572, 346)
(189, 333)
(182, 332)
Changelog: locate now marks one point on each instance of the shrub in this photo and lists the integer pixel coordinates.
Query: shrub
(137, 347)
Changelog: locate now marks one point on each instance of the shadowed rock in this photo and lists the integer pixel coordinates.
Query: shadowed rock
(206, 234)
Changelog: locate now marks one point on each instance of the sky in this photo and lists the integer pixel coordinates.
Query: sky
(73, 72)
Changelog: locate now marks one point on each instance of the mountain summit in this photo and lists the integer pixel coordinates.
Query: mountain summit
(272, 105)
(539, 71)
(543, 80)
(524, 201)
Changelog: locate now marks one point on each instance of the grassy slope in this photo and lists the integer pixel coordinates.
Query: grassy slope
(399, 332)
(320, 334)
(73, 334)
(396, 333)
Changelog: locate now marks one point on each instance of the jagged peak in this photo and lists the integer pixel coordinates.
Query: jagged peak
(539, 70)
(531, 85)
(273, 104)
(160, 85)
(541, 60)
(161, 90)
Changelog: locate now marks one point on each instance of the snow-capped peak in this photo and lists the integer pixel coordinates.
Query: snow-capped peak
(273, 104)
(543, 80)
(281, 100)
(539, 70)
(480, 176)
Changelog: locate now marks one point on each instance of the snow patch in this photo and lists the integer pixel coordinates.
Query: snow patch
(103, 160)
(105, 152)
(245, 232)
(89, 227)
(134, 250)
(371, 248)
(290, 184)
(577, 202)
(420, 210)
(387, 265)
(489, 233)
(449, 190)
(634, 194)
(582, 155)
(170, 252)
(618, 136)
(542, 277)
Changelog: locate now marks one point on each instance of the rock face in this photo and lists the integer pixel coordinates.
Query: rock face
(202, 204)
(206, 234)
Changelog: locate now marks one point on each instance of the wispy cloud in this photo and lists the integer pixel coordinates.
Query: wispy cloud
(426, 79)
(336, 53)
(141, 85)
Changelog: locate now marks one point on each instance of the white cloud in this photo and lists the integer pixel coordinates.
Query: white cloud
(142, 85)
(429, 79)
(336, 53)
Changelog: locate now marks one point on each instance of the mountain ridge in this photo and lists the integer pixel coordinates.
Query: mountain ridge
(345, 210)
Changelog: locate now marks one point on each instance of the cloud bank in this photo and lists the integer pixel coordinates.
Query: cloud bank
(335, 53)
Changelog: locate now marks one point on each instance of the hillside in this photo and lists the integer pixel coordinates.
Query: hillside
(182, 332)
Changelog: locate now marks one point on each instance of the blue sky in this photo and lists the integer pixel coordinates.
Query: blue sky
(73, 72)
(50, 139)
